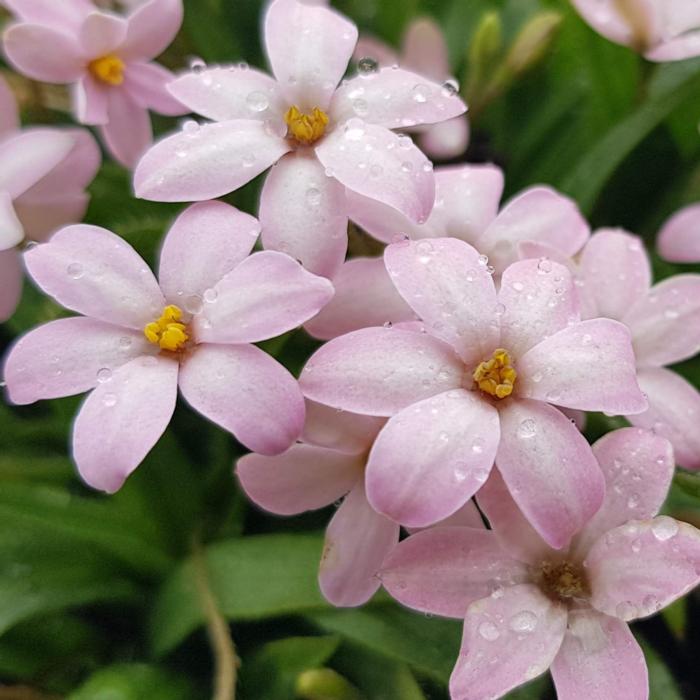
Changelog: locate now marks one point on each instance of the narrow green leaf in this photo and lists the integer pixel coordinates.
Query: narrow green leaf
(662, 686)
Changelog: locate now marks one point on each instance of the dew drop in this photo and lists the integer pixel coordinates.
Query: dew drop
(450, 88)
(407, 166)
(210, 296)
(420, 93)
(197, 65)
(524, 621)
(104, 375)
(75, 271)
(527, 429)
(124, 342)
(489, 631)
(367, 66)
(633, 501)
(354, 129)
(664, 528)
(109, 400)
(193, 304)
(257, 101)
(360, 107)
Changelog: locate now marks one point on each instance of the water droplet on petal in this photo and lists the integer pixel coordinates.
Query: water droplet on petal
(420, 93)
(524, 621)
(193, 304)
(664, 528)
(104, 375)
(75, 271)
(450, 88)
(197, 65)
(367, 66)
(313, 196)
(210, 296)
(109, 400)
(489, 631)
(257, 101)
(527, 429)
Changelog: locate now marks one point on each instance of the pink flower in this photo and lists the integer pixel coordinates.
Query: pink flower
(107, 60)
(476, 385)
(43, 175)
(530, 607)
(662, 30)
(424, 51)
(139, 340)
(613, 277)
(679, 238)
(466, 207)
(326, 137)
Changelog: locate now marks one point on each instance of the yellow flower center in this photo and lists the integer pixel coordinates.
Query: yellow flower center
(496, 376)
(563, 580)
(306, 128)
(167, 332)
(108, 69)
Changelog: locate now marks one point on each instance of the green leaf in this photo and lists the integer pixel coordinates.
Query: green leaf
(251, 578)
(688, 482)
(661, 683)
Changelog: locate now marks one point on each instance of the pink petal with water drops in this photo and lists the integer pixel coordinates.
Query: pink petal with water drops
(122, 419)
(369, 47)
(443, 570)
(147, 84)
(11, 275)
(679, 238)
(357, 540)
(432, 457)
(379, 371)
(521, 631)
(152, 27)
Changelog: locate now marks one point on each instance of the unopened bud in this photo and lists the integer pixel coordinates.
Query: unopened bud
(533, 42)
(325, 684)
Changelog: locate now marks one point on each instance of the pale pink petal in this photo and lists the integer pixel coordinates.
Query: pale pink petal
(42, 215)
(589, 366)
(371, 47)
(309, 48)
(432, 457)
(643, 566)
(448, 286)
(374, 162)
(128, 132)
(467, 516)
(96, 273)
(599, 660)
(521, 631)
(268, 294)
(66, 14)
(67, 357)
(379, 371)
(11, 275)
(303, 478)
(537, 299)
(383, 221)
(616, 271)
(414, 100)
(638, 468)
(364, 297)
(147, 84)
(341, 431)
(578, 418)
(443, 570)
(247, 392)
(679, 238)
(609, 19)
(515, 534)
(43, 53)
(206, 242)
(549, 469)
(9, 115)
(446, 140)
(424, 49)
(101, 33)
(357, 540)
(674, 407)
(676, 49)
(207, 162)
(302, 212)
(11, 231)
(537, 214)
(665, 324)
(228, 93)
(152, 28)
(90, 100)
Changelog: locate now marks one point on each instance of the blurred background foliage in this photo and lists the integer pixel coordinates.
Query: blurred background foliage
(112, 598)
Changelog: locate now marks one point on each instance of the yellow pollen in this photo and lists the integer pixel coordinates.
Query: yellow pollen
(306, 128)
(563, 580)
(496, 376)
(109, 69)
(167, 332)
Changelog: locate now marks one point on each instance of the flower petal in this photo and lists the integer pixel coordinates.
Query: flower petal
(147, 85)
(11, 275)
(538, 299)
(364, 297)
(228, 93)
(41, 215)
(448, 286)
(589, 365)
(101, 33)
(674, 407)
(11, 230)
(206, 242)
(445, 140)
(377, 50)
(549, 469)
(208, 162)
(357, 540)
(66, 15)
(341, 431)
(608, 19)
(302, 212)
(152, 28)
(665, 324)
(413, 100)
(246, 392)
(303, 478)
(467, 564)
(374, 162)
(266, 295)
(122, 419)
(90, 100)
(424, 49)
(616, 271)
(521, 630)
(679, 238)
(128, 132)
(379, 371)
(432, 457)
(94, 272)
(643, 566)
(67, 357)
(676, 49)
(309, 48)
(599, 660)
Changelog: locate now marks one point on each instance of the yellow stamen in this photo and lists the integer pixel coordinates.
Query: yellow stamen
(496, 376)
(108, 69)
(167, 332)
(306, 128)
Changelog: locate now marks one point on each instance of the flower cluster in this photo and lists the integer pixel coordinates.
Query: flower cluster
(457, 367)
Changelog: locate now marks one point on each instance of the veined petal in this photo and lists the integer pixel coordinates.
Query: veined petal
(679, 238)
